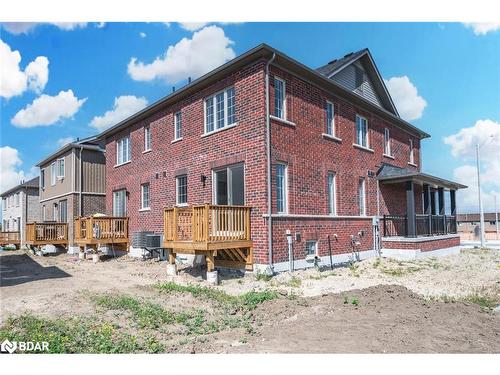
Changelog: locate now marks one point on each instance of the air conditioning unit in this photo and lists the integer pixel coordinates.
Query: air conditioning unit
(154, 240)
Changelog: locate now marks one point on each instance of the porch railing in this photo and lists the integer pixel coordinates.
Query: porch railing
(10, 237)
(207, 223)
(47, 232)
(425, 225)
(101, 228)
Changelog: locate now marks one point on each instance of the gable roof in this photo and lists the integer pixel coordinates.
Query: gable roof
(365, 57)
(264, 51)
(89, 143)
(30, 184)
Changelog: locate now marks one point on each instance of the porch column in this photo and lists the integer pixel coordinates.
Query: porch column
(453, 204)
(427, 207)
(441, 208)
(433, 202)
(410, 209)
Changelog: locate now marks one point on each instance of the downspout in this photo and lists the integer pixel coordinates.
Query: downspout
(268, 155)
(81, 183)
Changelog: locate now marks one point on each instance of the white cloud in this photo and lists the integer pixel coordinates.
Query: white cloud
(192, 26)
(14, 81)
(123, 107)
(463, 143)
(208, 49)
(25, 27)
(100, 25)
(64, 141)
(410, 105)
(483, 28)
(47, 110)
(142, 34)
(10, 172)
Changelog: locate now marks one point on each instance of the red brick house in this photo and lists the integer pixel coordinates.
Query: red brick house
(325, 148)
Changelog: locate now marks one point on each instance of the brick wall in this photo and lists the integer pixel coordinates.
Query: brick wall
(429, 245)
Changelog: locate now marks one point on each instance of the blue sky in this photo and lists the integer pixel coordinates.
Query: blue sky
(454, 69)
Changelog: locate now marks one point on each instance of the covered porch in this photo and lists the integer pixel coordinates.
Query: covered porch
(425, 207)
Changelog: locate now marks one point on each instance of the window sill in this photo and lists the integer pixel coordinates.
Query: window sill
(363, 148)
(331, 137)
(145, 209)
(283, 121)
(146, 151)
(181, 205)
(413, 164)
(389, 156)
(177, 140)
(119, 165)
(219, 130)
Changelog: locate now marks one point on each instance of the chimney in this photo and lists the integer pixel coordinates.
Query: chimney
(189, 79)
(173, 88)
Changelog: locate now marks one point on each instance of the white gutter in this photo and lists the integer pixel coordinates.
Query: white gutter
(268, 155)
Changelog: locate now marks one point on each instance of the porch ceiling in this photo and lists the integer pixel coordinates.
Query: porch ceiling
(391, 174)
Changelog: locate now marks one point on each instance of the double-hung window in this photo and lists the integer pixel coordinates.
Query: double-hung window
(412, 157)
(147, 138)
(311, 247)
(362, 197)
(181, 190)
(145, 200)
(60, 168)
(361, 131)
(120, 203)
(63, 211)
(42, 178)
(387, 142)
(53, 174)
(220, 110)
(330, 119)
(332, 203)
(17, 199)
(123, 154)
(178, 125)
(281, 188)
(279, 98)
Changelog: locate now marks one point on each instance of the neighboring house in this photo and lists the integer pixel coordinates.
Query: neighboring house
(73, 184)
(330, 142)
(20, 205)
(469, 226)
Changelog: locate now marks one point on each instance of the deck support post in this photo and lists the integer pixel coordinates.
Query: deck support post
(210, 262)
(171, 257)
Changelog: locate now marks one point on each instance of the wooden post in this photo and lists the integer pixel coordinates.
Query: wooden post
(247, 224)
(249, 262)
(206, 213)
(175, 234)
(171, 256)
(210, 261)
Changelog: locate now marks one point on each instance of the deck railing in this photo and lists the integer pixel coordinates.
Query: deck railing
(425, 225)
(207, 223)
(10, 237)
(46, 233)
(101, 228)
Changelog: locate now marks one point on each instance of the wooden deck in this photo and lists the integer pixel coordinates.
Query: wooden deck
(38, 234)
(10, 238)
(94, 231)
(220, 233)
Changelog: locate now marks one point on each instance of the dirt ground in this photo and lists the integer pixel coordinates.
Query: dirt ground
(432, 305)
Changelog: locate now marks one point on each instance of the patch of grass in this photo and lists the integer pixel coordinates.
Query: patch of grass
(377, 262)
(294, 282)
(355, 301)
(354, 268)
(75, 335)
(322, 275)
(401, 270)
(247, 300)
(486, 302)
(261, 276)
(144, 313)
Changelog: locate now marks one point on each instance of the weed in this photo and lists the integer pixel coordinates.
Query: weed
(355, 301)
(377, 262)
(294, 282)
(322, 275)
(346, 301)
(261, 276)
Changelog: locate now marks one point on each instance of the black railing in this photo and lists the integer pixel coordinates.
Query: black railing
(425, 225)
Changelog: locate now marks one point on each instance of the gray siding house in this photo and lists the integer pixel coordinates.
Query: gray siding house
(20, 205)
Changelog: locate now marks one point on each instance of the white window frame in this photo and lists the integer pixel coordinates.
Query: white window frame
(283, 102)
(17, 199)
(147, 138)
(178, 126)
(362, 196)
(115, 194)
(44, 213)
(53, 176)
(387, 142)
(65, 201)
(42, 178)
(177, 196)
(143, 190)
(284, 188)
(61, 165)
(330, 124)
(314, 244)
(332, 193)
(213, 99)
(120, 144)
(359, 132)
(412, 156)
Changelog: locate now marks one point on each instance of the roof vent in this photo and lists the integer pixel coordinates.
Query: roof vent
(331, 62)
(349, 54)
